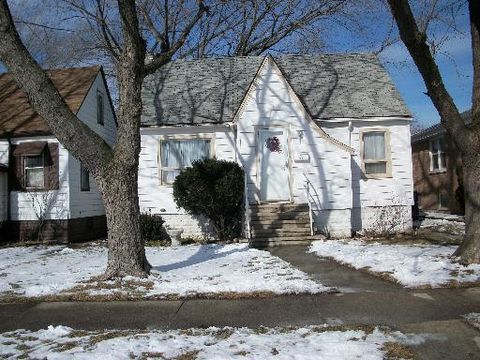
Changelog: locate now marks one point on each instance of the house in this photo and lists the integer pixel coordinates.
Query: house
(437, 167)
(324, 141)
(45, 193)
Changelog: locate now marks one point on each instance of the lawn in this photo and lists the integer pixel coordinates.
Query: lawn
(412, 265)
(233, 270)
(313, 342)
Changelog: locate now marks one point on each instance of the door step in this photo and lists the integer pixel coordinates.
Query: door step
(260, 243)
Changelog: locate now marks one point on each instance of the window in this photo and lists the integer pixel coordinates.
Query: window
(443, 200)
(100, 112)
(375, 153)
(34, 171)
(84, 179)
(438, 156)
(176, 155)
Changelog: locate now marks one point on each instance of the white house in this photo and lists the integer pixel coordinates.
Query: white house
(324, 140)
(45, 193)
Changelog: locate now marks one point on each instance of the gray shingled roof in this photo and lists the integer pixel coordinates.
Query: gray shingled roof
(211, 90)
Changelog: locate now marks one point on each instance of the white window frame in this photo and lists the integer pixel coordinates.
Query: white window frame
(183, 137)
(100, 108)
(25, 168)
(439, 153)
(388, 153)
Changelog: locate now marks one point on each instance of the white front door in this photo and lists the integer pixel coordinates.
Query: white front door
(274, 172)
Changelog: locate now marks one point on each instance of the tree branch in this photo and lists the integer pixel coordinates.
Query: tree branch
(416, 43)
(165, 57)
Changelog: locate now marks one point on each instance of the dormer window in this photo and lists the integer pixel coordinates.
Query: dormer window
(100, 108)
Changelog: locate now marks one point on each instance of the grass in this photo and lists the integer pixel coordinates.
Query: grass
(85, 297)
(396, 351)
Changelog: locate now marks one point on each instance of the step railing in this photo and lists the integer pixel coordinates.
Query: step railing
(248, 232)
(309, 202)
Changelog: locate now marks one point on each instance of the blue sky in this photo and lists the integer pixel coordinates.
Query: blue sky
(456, 70)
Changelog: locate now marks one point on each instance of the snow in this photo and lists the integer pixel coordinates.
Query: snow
(473, 319)
(313, 342)
(177, 271)
(410, 265)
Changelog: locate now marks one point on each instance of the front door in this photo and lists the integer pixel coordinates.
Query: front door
(273, 165)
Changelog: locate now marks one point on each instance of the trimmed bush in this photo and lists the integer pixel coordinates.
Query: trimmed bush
(152, 228)
(213, 188)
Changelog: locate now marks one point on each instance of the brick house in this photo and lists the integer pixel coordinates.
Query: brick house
(437, 167)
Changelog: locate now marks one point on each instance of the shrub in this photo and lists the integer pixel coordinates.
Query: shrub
(152, 228)
(213, 188)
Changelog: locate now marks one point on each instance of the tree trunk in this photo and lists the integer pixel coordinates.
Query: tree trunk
(126, 252)
(469, 250)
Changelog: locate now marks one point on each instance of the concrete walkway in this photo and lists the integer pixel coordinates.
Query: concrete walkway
(364, 300)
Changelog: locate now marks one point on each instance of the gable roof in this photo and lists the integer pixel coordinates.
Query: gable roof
(17, 118)
(211, 90)
(438, 129)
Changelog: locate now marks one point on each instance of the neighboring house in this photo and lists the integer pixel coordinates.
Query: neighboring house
(436, 168)
(45, 193)
(327, 135)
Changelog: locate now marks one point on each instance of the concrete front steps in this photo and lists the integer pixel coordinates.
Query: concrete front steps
(280, 224)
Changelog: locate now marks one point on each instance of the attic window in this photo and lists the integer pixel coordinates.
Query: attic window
(376, 159)
(100, 108)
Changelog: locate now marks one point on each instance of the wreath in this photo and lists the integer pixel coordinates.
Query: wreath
(273, 144)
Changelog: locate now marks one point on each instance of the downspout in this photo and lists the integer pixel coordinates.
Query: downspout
(9, 215)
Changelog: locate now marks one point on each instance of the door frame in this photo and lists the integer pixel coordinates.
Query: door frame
(286, 129)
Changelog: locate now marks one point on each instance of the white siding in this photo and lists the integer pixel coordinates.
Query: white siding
(51, 204)
(89, 203)
(328, 171)
(371, 194)
(88, 112)
(394, 190)
(4, 152)
(3, 196)
(157, 198)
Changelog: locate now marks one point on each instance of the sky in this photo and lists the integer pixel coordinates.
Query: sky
(455, 64)
(454, 59)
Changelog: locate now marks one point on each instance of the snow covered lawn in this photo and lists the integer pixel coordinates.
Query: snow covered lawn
(188, 271)
(313, 342)
(422, 266)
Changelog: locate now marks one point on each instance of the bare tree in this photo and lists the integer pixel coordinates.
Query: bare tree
(466, 138)
(125, 32)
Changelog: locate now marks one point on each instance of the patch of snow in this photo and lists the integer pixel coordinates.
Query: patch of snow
(473, 319)
(312, 342)
(179, 271)
(452, 224)
(411, 265)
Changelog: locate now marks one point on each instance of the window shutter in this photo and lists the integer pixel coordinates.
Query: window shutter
(15, 172)
(51, 167)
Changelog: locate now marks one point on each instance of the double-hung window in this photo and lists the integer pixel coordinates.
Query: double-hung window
(34, 171)
(176, 155)
(376, 153)
(438, 156)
